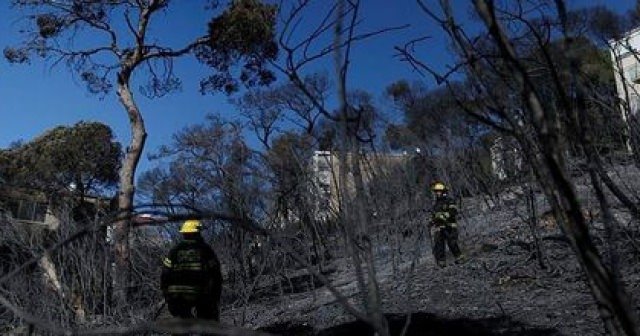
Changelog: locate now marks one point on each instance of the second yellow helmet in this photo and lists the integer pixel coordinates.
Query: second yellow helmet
(191, 226)
(438, 186)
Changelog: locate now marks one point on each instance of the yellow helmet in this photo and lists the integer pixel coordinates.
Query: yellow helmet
(191, 226)
(438, 186)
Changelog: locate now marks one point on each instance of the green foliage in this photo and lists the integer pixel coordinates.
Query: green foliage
(246, 27)
(433, 119)
(600, 23)
(15, 55)
(596, 75)
(244, 33)
(48, 25)
(240, 43)
(84, 155)
(398, 136)
(400, 92)
(290, 153)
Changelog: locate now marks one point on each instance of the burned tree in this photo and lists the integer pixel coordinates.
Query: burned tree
(119, 45)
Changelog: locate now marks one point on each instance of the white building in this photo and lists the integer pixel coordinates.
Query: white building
(326, 184)
(506, 157)
(626, 66)
(323, 165)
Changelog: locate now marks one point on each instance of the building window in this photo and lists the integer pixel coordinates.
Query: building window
(28, 210)
(632, 73)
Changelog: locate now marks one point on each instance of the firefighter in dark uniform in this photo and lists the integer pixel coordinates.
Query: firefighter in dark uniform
(444, 225)
(191, 276)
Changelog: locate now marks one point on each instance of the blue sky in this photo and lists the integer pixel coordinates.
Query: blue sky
(34, 98)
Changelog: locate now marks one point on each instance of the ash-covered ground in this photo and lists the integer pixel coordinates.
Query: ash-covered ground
(501, 290)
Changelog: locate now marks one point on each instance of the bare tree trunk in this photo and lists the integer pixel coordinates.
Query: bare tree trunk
(126, 192)
(70, 300)
(533, 225)
(345, 155)
(350, 162)
(51, 274)
(363, 219)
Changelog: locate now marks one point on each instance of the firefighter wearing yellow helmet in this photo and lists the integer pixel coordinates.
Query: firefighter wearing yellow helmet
(444, 225)
(191, 276)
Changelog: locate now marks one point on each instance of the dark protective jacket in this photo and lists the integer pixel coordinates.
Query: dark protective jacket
(445, 212)
(191, 271)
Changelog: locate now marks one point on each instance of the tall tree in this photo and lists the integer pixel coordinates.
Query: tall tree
(109, 41)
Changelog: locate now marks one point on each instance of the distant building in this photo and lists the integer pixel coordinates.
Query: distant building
(323, 185)
(506, 157)
(34, 207)
(30, 209)
(327, 184)
(624, 56)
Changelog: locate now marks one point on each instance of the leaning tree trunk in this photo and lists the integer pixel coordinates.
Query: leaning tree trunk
(52, 281)
(126, 191)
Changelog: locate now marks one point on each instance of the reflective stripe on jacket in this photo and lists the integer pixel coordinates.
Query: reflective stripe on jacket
(444, 212)
(190, 270)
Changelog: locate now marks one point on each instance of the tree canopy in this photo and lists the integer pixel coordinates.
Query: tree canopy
(82, 158)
